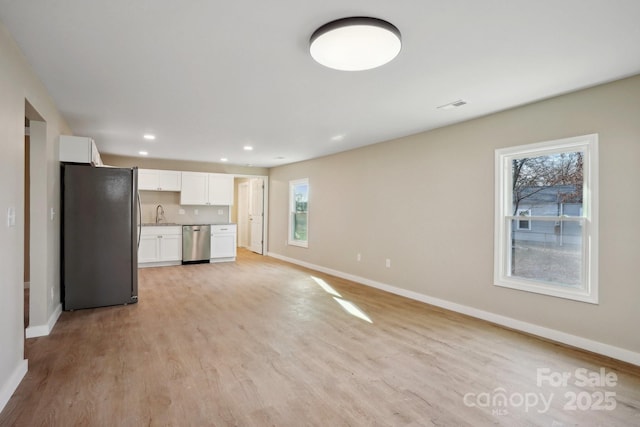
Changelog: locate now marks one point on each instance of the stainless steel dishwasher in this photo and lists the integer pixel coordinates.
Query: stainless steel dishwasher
(196, 243)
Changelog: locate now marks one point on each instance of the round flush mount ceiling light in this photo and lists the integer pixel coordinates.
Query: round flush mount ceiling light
(355, 44)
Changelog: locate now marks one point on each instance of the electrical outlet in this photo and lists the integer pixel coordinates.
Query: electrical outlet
(181, 212)
(388, 263)
(51, 294)
(195, 211)
(220, 211)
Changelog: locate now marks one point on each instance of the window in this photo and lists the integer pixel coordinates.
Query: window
(523, 224)
(299, 212)
(554, 251)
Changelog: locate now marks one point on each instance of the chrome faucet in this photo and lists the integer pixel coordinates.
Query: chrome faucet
(159, 214)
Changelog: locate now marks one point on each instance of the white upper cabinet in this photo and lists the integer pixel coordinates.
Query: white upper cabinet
(206, 189)
(159, 180)
(220, 189)
(79, 149)
(195, 188)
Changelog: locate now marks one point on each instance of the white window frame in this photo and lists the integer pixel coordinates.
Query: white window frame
(588, 145)
(292, 210)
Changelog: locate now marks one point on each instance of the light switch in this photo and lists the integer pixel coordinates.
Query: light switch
(52, 214)
(11, 217)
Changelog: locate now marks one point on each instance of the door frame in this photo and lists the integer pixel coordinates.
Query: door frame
(265, 218)
(243, 208)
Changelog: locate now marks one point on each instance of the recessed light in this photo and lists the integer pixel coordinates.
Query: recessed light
(149, 137)
(247, 148)
(452, 105)
(143, 153)
(224, 159)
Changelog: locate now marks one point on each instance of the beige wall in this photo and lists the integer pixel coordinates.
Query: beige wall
(17, 84)
(427, 202)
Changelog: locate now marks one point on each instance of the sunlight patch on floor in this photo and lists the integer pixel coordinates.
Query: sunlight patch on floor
(348, 306)
(327, 288)
(352, 309)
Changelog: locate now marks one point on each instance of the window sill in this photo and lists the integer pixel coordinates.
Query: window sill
(299, 244)
(558, 291)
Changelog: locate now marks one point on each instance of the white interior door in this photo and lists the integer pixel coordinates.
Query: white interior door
(256, 214)
(243, 215)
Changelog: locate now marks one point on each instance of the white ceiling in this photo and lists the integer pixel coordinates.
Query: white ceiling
(208, 77)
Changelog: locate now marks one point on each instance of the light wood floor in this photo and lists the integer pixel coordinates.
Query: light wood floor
(259, 343)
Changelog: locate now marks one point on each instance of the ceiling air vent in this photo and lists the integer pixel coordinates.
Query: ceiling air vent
(452, 105)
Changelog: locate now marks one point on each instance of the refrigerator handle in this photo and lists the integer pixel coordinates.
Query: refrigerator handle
(139, 220)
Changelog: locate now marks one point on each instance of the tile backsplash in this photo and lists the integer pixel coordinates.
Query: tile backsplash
(170, 202)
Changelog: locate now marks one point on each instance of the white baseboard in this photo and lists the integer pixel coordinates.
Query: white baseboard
(44, 330)
(530, 328)
(158, 264)
(228, 259)
(12, 383)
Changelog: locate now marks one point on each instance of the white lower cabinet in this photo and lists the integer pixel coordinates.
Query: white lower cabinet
(160, 245)
(171, 247)
(149, 249)
(223, 243)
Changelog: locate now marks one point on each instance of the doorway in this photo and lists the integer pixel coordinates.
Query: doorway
(243, 214)
(256, 215)
(27, 219)
(251, 212)
(39, 300)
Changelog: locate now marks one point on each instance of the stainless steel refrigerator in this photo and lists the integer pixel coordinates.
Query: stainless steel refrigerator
(99, 236)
